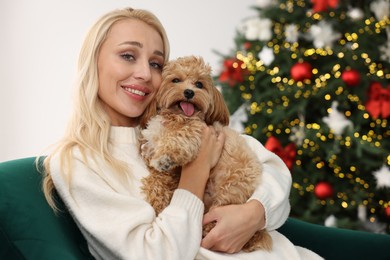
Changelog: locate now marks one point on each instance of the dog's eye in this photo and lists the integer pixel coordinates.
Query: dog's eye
(175, 80)
(199, 84)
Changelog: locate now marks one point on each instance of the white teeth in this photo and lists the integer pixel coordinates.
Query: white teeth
(135, 91)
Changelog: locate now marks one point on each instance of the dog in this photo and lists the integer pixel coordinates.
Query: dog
(171, 129)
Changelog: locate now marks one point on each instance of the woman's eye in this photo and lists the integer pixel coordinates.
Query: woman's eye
(175, 80)
(127, 56)
(199, 84)
(156, 65)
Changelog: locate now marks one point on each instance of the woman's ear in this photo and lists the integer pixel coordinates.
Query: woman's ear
(150, 111)
(219, 111)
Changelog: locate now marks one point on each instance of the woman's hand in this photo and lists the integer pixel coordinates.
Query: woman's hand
(195, 174)
(235, 225)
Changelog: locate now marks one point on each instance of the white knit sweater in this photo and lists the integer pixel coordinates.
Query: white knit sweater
(119, 224)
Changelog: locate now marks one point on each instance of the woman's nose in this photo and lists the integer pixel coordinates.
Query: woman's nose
(142, 71)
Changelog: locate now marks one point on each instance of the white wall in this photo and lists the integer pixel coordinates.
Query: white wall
(39, 44)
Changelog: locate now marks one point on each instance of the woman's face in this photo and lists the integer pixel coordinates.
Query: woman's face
(129, 67)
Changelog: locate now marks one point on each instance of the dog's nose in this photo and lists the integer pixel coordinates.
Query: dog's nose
(188, 93)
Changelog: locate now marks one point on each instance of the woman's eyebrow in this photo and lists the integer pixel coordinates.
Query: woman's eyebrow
(140, 45)
(134, 43)
(159, 53)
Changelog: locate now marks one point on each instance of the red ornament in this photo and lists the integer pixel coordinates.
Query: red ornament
(323, 5)
(247, 45)
(351, 77)
(387, 212)
(287, 154)
(323, 190)
(378, 102)
(301, 71)
(233, 72)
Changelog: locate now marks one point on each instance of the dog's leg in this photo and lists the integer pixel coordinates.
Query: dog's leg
(230, 189)
(177, 145)
(233, 181)
(260, 240)
(158, 188)
(227, 186)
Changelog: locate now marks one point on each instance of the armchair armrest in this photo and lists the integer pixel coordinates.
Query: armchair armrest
(29, 229)
(336, 243)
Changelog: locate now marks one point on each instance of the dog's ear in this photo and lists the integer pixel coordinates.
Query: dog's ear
(219, 111)
(150, 111)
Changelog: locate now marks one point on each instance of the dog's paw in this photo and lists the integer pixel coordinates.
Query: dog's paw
(163, 163)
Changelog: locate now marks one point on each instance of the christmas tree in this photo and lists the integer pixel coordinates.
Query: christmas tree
(311, 81)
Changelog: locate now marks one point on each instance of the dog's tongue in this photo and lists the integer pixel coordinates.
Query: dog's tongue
(187, 108)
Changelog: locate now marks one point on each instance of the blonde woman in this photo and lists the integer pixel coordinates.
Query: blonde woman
(96, 168)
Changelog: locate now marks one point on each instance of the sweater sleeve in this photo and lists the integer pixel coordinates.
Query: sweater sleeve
(274, 189)
(123, 226)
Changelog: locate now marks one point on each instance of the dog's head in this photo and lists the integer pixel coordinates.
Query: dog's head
(187, 88)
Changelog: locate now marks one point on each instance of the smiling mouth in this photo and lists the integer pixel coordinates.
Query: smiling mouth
(135, 91)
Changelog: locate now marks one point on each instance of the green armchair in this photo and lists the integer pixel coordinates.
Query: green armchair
(30, 230)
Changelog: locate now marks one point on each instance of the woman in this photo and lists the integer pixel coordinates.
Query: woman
(96, 168)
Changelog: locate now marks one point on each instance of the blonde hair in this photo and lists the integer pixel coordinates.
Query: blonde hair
(88, 127)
